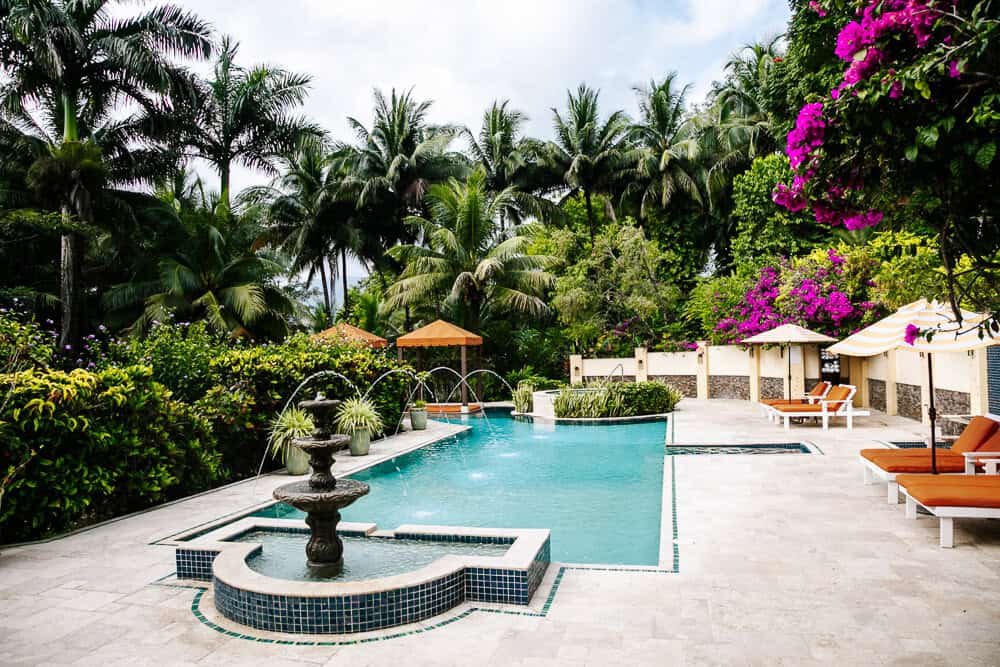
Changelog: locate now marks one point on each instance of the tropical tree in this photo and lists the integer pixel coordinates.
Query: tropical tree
(665, 146)
(312, 215)
(394, 164)
(749, 96)
(465, 267)
(589, 156)
(211, 268)
(239, 116)
(66, 64)
(507, 157)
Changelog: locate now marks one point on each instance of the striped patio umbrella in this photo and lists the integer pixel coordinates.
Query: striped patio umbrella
(788, 334)
(930, 327)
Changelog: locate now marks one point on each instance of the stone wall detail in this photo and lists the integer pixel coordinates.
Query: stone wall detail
(876, 394)
(772, 387)
(908, 401)
(729, 386)
(686, 384)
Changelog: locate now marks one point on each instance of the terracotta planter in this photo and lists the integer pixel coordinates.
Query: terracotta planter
(296, 461)
(360, 442)
(418, 419)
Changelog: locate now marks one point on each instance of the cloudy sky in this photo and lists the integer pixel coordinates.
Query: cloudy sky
(463, 54)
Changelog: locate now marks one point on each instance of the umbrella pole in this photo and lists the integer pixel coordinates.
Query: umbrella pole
(932, 413)
(788, 353)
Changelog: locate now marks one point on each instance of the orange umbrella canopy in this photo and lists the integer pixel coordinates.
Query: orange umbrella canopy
(439, 334)
(350, 332)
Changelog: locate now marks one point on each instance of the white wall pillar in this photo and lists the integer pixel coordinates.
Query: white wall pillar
(979, 394)
(703, 369)
(575, 368)
(641, 364)
(754, 351)
(891, 395)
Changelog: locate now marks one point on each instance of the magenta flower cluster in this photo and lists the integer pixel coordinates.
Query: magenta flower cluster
(858, 44)
(813, 297)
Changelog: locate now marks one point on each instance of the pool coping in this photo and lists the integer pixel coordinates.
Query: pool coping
(188, 534)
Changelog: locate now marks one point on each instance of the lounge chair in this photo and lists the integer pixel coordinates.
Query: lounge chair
(838, 403)
(951, 497)
(981, 434)
(818, 392)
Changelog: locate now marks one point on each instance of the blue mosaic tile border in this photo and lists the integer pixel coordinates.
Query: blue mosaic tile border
(194, 563)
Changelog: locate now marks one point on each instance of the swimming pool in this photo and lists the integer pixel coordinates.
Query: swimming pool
(597, 487)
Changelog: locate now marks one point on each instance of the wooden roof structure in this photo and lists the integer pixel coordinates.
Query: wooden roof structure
(439, 334)
(346, 331)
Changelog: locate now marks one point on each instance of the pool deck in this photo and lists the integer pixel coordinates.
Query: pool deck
(785, 559)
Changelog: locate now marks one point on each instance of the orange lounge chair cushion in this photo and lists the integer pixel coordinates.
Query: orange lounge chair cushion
(913, 461)
(834, 401)
(955, 491)
(816, 392)
(979, 431)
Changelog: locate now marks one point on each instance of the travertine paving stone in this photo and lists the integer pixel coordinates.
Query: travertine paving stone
(784, 560)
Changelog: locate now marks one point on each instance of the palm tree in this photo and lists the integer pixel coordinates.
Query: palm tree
(240, 116)
(73, 62)
(664, 144)
(744, 97)
(589, 156)
(394, 164)
(465, 266)
(506, 156)
(312, 214)
(214, 270)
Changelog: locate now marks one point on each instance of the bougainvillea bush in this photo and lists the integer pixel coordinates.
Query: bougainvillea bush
(829, 291)
(913, 121)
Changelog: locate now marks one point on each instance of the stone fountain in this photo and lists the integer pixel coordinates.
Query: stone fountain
(322, 496)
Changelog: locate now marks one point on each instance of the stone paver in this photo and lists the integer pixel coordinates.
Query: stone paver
(784, 559)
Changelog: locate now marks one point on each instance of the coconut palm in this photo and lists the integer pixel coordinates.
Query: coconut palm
(589, 155)
(66, 64)
(239, 116)
(312, 214)
(744, 95)
(507, 157)
(394, 164)
(214, 270)
(665, 147)
(465, 266)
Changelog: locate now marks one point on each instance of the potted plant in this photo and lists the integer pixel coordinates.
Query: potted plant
(358, 418)
(418, 415)
(290, 425)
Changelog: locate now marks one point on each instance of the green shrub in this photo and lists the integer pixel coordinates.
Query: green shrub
(270, 373)
(180, 354)
(23, 344)
(92, 445)
(239, 428)
(523, 401)
(527, 375)
(616, 399)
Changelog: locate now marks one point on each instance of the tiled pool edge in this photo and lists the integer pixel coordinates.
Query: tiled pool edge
(542, 613)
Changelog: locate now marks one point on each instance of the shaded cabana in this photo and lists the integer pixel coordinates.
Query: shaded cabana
(443, 334)
(345, 331)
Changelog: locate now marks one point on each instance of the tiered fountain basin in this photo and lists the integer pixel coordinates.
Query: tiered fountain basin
(336, 606)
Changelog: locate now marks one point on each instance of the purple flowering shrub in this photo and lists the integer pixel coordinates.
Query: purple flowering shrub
(906, 95)
(829, 291)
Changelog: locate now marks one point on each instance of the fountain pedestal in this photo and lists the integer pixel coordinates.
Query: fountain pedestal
(322, 496)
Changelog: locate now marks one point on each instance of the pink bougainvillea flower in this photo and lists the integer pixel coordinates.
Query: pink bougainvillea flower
(954, 70)
(818, 8)
(912, 333)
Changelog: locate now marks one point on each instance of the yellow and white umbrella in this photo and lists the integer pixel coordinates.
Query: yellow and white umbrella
(788, 334)
(925, 326)
(924, 316)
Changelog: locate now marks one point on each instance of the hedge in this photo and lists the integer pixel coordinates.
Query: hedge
(616, 399)
(87, 446)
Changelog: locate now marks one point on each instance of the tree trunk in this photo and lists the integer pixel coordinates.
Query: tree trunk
(590, 214)
(224, 177)
(69, 287)
(326, 290)
(333, 285)
(343, 275)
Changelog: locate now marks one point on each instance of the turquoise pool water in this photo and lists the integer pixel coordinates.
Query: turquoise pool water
(597, 487)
